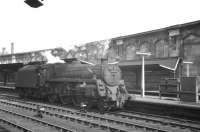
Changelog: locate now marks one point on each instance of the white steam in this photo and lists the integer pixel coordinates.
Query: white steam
(51, 58)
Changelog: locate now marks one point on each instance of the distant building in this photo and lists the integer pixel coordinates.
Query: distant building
(32, 56)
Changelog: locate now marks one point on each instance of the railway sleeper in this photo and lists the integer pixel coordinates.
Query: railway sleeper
(37, 120)
(126, 124)
(13, 124)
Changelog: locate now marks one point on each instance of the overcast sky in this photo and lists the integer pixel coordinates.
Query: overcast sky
(64, 23)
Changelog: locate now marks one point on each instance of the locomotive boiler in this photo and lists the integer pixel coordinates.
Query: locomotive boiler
(74, 83)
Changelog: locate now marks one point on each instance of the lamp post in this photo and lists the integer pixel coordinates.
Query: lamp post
(143, 54)
(188, 63)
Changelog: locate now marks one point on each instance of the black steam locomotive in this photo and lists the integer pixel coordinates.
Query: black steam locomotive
(74, 82)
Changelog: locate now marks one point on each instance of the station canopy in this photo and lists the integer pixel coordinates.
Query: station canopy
(10, 67)
(167, 63)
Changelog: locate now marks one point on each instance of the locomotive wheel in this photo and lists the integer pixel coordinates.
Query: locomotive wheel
(26, 94)
(79, 99)
(20, 92)
(101, 106)
(65, 99)
(76, 101)
(53, 98)
(89, 105)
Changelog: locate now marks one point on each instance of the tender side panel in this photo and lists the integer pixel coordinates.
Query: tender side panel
(27, 77)
(2, 78)
(80, 71)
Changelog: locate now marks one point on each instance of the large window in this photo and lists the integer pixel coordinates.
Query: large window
(131, 52)
(144, 47)
(162, 49)
(191, 53)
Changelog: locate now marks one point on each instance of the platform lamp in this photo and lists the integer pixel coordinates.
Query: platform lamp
(188, 63)
(143, 54)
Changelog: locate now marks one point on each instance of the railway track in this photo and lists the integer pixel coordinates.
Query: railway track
(111, 122)
(12, 126)
(23, 119)
(72, 117)
(171, 120)
(28, 123)
(181, 123)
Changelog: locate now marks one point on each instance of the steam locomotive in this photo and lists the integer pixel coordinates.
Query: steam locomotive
(74, 82)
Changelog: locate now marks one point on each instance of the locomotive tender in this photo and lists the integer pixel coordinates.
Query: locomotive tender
(74, 83)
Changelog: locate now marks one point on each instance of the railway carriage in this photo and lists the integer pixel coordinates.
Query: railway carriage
(74, 83)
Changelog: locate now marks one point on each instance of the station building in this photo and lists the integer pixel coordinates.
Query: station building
(175, 53)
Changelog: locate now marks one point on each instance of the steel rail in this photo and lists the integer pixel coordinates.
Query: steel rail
(13, 124)
(159, 121)
(194, 125)
(60, 128)
(133, 124)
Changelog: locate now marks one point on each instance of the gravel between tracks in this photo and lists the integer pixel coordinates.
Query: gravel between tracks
(46, 118)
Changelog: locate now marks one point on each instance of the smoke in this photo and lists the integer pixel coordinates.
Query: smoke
(106, 47)
(52, 59)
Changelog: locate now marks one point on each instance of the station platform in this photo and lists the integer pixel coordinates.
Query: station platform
(165, 100)
(167, 106)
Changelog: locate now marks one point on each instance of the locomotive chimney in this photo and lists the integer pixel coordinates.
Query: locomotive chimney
(3, 50)
(12, 48)
(13, 60)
